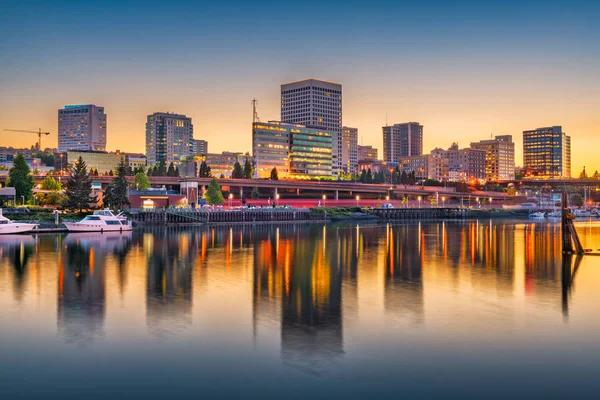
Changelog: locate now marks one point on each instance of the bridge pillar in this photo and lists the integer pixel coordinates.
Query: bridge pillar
(241, 192)
(337, 194)
(275, 193)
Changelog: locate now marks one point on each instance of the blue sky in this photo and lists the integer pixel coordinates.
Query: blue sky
(464, 69)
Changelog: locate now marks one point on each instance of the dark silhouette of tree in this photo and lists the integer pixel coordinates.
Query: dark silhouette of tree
(237, 173)
(115, 195)
(204, 170)
(79, 188)
(274, 174)
(248, 169)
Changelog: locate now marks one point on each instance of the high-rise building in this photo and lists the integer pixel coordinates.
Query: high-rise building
(349, 153)
(295, 150)
(499, 158)
(402, 140)
(199, 147)
(367, 153)
(169, 138)
(81, 127)
(315, 104)
(547, 152)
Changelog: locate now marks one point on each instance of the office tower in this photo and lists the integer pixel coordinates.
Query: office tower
(349, 153)
(169, 138)
(367, 153)
(315, 104)
(402, 140)
(199, 147)
(547, 153)
(81, 127)
(295, 150)
(499, 158)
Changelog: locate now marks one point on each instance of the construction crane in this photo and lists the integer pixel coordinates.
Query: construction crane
(38, 132)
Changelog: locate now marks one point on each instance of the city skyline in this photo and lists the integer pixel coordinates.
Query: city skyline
(512, 77)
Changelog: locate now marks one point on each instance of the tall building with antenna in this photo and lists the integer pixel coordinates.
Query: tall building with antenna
(315, 104)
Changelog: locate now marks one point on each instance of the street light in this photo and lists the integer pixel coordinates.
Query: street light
(477, 201)
(277, 199)
(324, 198)
(230, 198)
(420, 198)
(444, 201)
(387, 198)
(357, 198)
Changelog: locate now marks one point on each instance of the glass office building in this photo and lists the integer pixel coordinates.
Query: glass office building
(547, 153)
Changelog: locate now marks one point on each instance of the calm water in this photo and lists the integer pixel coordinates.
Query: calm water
(469, 309)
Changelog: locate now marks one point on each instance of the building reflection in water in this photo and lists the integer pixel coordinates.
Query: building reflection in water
(298, 275)
(170, 259)
(543, 260)
(18, 250)
(403, 291)
(82, 284)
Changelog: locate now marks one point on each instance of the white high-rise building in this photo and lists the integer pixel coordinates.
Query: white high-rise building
(499, 158)
(81, 127)
(169, 138)
(315, 104)
(349, 153)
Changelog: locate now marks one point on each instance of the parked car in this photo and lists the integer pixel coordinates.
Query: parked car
(387, 205)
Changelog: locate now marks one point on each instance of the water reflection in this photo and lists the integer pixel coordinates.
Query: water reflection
(17, 250)
(314, 296)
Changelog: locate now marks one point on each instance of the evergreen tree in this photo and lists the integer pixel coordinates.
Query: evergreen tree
(79, 188)
(204, 170)
(596, 175)
(160, 169)
(255, 193)
(171, 170)
(363, 176)
(19, 177)
(176, 171)
(116, 192)
(213, 193)
(403, 178)
(274, 174)
(150, 171)
(248, 169)
(111, 173)
(583, 174)
(141, 181)
(369, 178)
(237, 173)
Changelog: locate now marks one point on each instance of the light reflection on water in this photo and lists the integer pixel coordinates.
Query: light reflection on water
(321, 310)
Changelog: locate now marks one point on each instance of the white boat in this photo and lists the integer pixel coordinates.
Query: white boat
(537, 214)
(7, 226)
(100, 221)
(582, 213)
(555, 214)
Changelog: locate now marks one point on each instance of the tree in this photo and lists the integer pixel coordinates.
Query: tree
(248, 169)
(363, 176)
(49, 183)
(79, 188)
(171, 170)
(274, 174)
(237, 172)
(583, 174)
(576, 200)
(47, 158)
(255, 193)
(596, 175)
(111, 173)
(160, 169)
(213, 193)
(20, 177)
(141, 181)
(369, 178)
(54, 198)
(204, 170)
(116, 193)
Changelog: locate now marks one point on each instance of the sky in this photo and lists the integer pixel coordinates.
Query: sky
(464, 69)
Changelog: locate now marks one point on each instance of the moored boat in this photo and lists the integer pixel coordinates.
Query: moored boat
(537, 214)
(100, 221)
(7, 226)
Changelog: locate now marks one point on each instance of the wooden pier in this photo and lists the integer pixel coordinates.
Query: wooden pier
(421, 213)
(175, 216)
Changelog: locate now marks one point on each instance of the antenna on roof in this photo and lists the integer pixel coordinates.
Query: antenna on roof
(254, 112)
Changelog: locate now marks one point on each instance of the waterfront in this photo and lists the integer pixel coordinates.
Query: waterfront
(465, 308)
